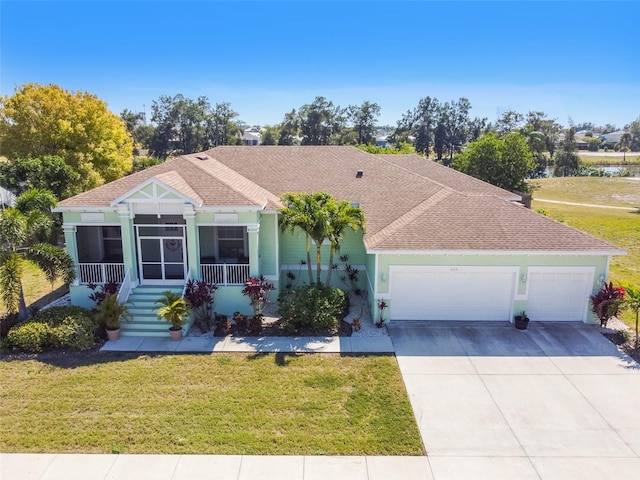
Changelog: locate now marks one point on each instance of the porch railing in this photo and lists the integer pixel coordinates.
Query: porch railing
(100, 272)
(225, 273)
(125, 288)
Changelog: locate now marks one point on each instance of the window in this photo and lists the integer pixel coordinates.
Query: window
(232, 244)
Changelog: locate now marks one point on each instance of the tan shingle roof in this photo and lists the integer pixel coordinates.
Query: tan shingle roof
(410, 203)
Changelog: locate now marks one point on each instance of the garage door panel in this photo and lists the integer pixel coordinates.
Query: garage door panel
(559, 295)
(453, 294)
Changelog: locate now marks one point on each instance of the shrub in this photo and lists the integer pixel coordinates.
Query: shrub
(58, 327)
(257, 289)
(200, 297)
(314, 306)
(607, 302)
(100, 292)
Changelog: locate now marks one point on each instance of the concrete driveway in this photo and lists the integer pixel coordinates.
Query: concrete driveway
(557, 401)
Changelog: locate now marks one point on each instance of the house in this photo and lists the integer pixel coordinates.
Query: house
(439, 245)
(251, 136)
(610, 140)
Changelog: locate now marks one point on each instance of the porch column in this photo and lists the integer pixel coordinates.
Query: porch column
(254, 258)
(71, 245)
(191, 231)
(128, 240)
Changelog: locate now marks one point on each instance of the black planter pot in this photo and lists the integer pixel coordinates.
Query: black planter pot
(521, 322)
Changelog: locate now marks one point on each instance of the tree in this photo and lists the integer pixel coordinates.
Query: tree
(319, 121)
(46, 120)
(22, 229)
(364, 118)
(137, 128)
(625, 145)
(289, 128)
(309, 213)
(510, 121)
(566, 160)
(503, 162)
(48, 172)
(270, 134)
(342, 215)
(222, 127)
(634, 129)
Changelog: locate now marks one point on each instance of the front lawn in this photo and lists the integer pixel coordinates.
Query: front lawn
(254, 404)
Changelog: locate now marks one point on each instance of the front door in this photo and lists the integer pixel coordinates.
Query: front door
(161, 258)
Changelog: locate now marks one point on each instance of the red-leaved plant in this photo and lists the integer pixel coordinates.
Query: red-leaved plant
(607, 302)
(200, 297)
(381, 305)
(257, 289)
(100, 292)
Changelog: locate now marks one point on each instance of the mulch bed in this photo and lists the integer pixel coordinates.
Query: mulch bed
(274, 329)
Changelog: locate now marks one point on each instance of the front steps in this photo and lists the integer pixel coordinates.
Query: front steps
(144, 322)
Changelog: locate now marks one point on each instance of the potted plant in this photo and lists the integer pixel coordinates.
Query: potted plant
(109, 312)
(521, 321)
(173, 309)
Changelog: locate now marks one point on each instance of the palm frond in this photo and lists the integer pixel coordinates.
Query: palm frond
(36, 199)
(53, 262)
(11, 269)
(13, 229)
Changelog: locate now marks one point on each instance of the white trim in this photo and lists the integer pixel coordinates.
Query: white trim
(80, 224)
(456, 268)
(230, 208)
(213, 224)
(277, 244)
(500, 252)
(105, 209)
(376, 280)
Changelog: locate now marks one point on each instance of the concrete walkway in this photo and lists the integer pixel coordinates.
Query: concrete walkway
(210, 467)
(585, 204)
(252, 344)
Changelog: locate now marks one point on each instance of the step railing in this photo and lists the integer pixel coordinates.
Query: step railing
(125, 287)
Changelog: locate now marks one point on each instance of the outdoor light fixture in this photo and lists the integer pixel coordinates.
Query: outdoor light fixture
(383, 277)
(523, 278)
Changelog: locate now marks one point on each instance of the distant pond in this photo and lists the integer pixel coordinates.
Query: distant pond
(612, 169)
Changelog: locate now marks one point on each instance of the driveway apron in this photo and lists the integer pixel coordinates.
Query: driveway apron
(495, 402)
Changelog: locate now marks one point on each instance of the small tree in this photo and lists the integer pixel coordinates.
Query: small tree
(200, 297)
(632, 302)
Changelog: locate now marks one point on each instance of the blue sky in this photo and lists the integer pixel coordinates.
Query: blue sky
(578, 59)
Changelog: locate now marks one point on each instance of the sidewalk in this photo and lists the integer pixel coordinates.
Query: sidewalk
(252, 344)
(20, 466)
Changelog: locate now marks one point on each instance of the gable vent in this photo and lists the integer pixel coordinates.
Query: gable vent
(359, 174)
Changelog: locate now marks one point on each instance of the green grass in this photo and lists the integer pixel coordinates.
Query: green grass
(619, 227)
(37, 290)
(207, 404)
(632, 158)
(615, 191)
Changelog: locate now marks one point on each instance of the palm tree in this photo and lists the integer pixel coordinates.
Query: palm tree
(343, 216)
(632, 302)
(304, 211)
(22, 231)
(172, 308)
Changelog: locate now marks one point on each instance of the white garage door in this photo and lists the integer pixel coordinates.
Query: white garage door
(559, 294)
(451, 293)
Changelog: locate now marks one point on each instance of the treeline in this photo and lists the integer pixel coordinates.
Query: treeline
(70, 142)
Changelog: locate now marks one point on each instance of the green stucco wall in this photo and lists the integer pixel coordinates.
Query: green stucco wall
(267, 245)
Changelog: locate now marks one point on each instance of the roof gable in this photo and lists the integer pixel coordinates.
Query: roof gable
(168, 187)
